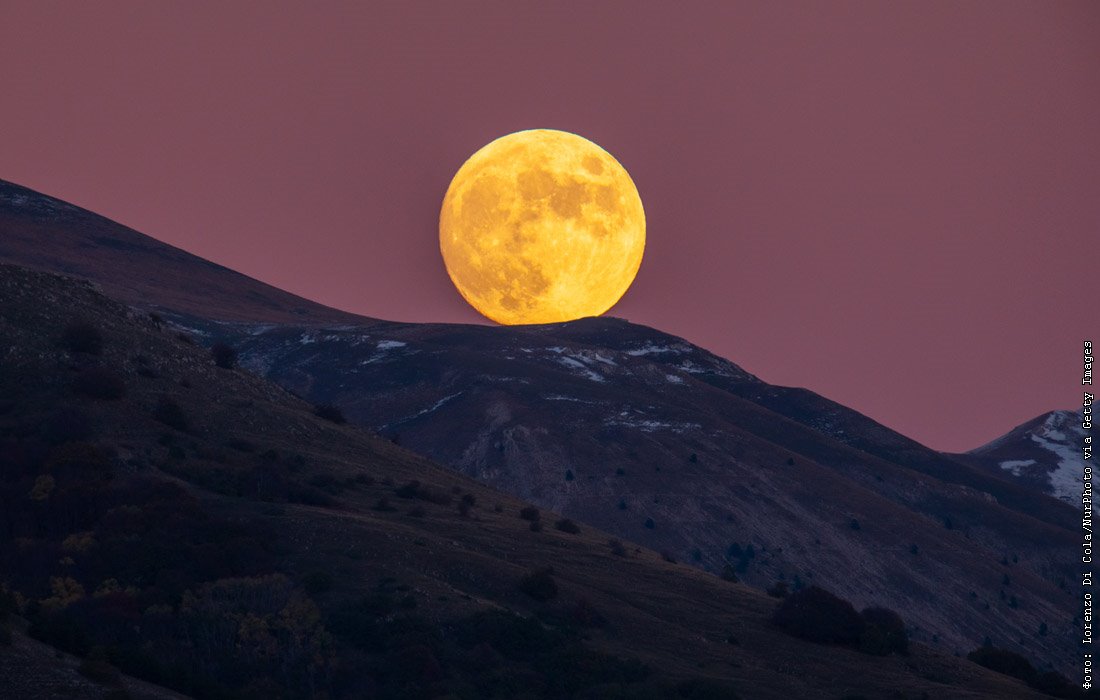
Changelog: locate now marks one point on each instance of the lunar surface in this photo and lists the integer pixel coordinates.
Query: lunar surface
(542, 226)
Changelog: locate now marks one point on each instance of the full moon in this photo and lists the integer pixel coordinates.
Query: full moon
(542, 226)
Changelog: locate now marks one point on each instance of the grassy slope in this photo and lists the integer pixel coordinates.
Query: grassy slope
(673, 617)
(31, 670)
(41, 232)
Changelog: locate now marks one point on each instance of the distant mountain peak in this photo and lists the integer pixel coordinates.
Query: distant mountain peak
(1044, 452)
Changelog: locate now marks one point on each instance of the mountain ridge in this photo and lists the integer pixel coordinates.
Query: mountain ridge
(391, 589)
(82, 243)
(646, 436)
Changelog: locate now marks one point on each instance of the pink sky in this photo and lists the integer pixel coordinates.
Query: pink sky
(891, 203)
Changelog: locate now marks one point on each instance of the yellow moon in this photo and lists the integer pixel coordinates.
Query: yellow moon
(542, 226)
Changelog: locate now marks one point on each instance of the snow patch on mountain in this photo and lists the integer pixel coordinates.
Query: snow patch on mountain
(1062, 435)
(430, 409)
(437, 404)
(650, 426)
(1047, 448)
(585, 356)
(581, 368)
(1014, 465)
(722, 369)
(654, 349)
(559, 397)
(1065, 479)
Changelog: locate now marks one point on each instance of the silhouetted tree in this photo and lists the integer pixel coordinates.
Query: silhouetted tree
(330, 412)
(779, 590)
(171, 414)
(225, 356)
(1003, 661)
(884, 632)
(567, 525)
(67, 424)
(540, 584)
(819, 616)
(100, 383)
(82, 336)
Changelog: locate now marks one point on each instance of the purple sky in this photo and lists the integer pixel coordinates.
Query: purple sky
(891, 203)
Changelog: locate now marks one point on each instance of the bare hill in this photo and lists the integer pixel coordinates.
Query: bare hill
(203, 529)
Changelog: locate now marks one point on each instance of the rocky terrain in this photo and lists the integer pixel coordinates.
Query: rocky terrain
(627, 430)
(200, 528)
(655, 440)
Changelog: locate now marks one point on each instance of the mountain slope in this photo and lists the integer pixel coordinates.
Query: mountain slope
(41, 232)
(144, 531)
(653, 439)
(650, 438)
(31, 670)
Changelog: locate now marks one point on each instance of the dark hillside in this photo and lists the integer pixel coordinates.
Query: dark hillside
(44, 233)
(655, 440)
(203, 529)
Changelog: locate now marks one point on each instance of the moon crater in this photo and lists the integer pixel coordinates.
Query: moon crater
(542, 226)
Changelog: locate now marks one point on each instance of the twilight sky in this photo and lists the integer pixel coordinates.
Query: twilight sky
(891, 203)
